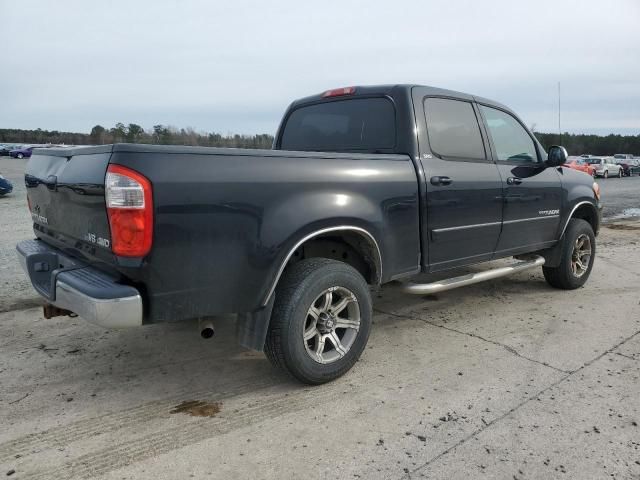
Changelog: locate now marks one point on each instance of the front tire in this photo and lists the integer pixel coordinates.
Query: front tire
(20, 155)
(606, 174)
(578, 255)
(320, 322)
(620, 173)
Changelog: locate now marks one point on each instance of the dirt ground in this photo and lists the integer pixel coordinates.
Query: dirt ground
(506, 379)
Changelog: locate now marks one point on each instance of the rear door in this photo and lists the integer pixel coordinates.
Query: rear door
(532, 192)
(462, 219)
(65, 189)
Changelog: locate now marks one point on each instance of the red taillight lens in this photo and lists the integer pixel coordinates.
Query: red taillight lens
(338, 92)
(130, 208)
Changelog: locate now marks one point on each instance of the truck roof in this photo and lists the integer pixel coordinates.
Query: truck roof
(390, 89)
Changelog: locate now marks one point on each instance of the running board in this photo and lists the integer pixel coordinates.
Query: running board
(470, 279)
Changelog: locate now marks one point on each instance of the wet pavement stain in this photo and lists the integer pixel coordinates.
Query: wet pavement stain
(622, 226)
(198, 408)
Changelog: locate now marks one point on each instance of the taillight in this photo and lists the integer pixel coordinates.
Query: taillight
(338, 92)
(130, 209)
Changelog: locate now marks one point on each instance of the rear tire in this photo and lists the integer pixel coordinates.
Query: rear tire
(305, 338)
(578, 256)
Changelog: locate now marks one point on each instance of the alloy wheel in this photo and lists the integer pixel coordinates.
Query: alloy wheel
(331, 325)
(581, 255)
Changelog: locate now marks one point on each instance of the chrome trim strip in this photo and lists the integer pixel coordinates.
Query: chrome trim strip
(530, 219)
(315, 234)
(109, 313)
(470, 279)
(463, 227)
(572, 212)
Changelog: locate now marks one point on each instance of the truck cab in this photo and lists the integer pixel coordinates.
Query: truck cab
(486, 190)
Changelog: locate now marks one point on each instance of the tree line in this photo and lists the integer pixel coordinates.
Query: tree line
(133, 133)
(575, 144)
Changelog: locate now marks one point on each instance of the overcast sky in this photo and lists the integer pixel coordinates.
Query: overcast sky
(233, 66)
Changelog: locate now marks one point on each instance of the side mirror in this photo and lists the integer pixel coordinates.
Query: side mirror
(557, 156)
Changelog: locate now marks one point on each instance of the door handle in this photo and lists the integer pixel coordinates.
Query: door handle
(514, 181)
(438, 180)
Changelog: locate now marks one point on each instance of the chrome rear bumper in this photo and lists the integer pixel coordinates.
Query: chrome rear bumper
(71, 285)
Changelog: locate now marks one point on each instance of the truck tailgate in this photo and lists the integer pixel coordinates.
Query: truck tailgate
(65, 190)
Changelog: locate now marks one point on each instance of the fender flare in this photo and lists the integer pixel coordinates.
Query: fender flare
(361, 231)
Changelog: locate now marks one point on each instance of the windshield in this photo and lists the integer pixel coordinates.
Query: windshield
(357, 124)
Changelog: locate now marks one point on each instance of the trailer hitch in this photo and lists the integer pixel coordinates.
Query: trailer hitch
(50, 311)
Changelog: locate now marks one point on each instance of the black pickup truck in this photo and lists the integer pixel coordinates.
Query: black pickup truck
(363, 186)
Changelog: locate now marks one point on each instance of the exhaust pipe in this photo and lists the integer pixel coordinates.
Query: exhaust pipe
(206, 328)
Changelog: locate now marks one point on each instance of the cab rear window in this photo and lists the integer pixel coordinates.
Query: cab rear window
(353, 125)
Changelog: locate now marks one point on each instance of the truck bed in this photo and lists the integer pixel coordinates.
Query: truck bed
(224, 219)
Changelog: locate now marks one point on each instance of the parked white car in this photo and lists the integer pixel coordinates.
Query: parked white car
(605, 167)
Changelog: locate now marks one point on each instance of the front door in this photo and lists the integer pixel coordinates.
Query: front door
(462, 221)
(532, 192)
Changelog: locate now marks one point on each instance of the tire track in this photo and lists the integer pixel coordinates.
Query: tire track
(125, 453)
(113, 421)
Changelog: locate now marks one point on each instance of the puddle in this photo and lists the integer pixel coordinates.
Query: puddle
(628, 212)
(198, 408)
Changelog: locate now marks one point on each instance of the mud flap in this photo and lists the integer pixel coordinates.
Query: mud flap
(252, 327)
(552, 256)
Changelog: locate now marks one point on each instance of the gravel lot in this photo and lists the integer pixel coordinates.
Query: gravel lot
(15, 224)
(507, 379)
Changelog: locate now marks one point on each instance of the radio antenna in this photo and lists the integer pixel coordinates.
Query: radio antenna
(559, 127)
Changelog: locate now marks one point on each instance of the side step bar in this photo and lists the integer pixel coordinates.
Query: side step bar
(470, 279)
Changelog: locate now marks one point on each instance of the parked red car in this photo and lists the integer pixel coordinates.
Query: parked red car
(580, 163)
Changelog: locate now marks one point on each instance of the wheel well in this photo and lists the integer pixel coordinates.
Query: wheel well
(349, 247)
(587, 212)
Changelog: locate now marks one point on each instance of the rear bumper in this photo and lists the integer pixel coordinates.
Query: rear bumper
(73, 285)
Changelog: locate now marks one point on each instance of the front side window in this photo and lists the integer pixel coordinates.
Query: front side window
(453, 129)
(510, 139)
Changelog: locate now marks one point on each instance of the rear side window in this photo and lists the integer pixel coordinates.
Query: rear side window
(453, 129)
(510, 139)
(358, 124)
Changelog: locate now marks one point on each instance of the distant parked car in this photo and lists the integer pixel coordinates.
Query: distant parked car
(630, 166)
(622, 156)
(605, 167)
(4, 150)
(6, 186)
(580, 164)
(22, 152)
